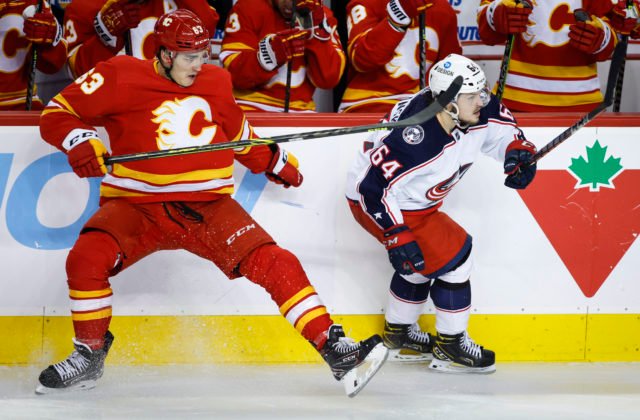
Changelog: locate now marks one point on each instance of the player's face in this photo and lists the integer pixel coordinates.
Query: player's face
(187, 65)
(285, 7)
(470, 104)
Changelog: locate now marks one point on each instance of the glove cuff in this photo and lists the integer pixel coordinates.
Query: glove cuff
(59, 33)
(266, 55)
(78, 136)
(490, 11)
(105, 36)
(397, 14)
(323, 31)
(397, 235)
(607, 34)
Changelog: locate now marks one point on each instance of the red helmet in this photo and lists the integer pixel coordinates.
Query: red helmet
(181, 30)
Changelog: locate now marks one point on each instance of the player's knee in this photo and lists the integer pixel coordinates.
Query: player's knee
(272, 267)
(412, 288)
(451, 296)
(94, 257)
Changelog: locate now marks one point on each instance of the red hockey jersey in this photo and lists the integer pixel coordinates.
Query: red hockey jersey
(384, 62)
(148, 113)
(546, 74)
(257, 89)
(85, 47)
(15, 60)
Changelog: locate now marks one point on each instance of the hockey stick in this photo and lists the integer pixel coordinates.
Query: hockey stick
(426, 114)
(128, 50)
(32, 69)
(287, 87)
(617, 96)
(423, 50)
(617, 60)
(506, 57)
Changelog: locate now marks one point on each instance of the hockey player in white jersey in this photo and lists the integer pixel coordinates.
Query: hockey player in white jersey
(395, 190)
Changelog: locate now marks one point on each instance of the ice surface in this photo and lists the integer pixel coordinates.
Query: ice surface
(308, 391)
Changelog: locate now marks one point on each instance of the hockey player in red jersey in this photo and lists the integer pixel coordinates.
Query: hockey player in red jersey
(384, 49)
(395, 190)
(97, 30)
(179, 202)
(553, 61)
(260, 43)
(22, 29)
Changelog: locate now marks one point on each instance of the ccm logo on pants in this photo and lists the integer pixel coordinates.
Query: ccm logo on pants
(240, 232)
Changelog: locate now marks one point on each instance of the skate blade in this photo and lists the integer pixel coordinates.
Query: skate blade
(445, 366)
(357, 378)
(84, 385)
(408, 356)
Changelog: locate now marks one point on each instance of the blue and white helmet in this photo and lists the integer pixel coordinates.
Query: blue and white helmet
(444, 71)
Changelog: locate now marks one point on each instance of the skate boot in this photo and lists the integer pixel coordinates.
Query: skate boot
(459, 354)
(79, 371)
(354, 364)
(407, 343)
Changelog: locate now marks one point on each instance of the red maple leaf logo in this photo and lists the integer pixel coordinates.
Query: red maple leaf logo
(590, 223)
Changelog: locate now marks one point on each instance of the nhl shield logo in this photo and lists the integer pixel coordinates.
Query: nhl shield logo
(413, 134)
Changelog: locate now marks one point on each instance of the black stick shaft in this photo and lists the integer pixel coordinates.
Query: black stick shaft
(423, 49)
(32, 70)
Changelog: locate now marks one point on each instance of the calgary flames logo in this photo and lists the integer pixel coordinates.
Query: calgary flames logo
(175, 118)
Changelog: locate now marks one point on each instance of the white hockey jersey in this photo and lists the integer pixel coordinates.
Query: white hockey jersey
(414, 168)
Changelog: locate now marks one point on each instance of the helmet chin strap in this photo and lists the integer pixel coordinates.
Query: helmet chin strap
(455, 115)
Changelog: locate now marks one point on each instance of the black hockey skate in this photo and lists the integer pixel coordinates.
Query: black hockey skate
(459, 354)
(354, 364)
(78, 371)
(408, 343)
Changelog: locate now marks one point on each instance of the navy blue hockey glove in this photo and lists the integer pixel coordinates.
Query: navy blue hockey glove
(517, 165)
(404, 253)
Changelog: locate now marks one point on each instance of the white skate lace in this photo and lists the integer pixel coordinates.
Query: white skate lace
(345, 345)
(74, 364)
(417, 335)
(470, 346)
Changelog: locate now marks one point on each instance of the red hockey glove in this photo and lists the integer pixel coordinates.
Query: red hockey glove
(41, 27)
(625, 20)
(516, 164)
(86, 153)
(276, 49)
(404, 253)
(591, 36)
(509, 16)
(283, 168)
(402, 12)
(116, 17)
(313, 8)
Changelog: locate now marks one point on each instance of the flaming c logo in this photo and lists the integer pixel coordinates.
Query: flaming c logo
(174, 119)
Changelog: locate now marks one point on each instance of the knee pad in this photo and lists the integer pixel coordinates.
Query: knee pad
(94, 257)
(451, 296)
(412, 288)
